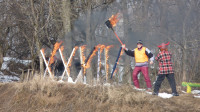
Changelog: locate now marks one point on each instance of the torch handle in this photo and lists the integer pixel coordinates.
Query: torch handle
(117, 37)
(114, 67)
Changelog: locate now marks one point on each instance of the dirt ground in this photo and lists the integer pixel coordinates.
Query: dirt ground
(51, 96)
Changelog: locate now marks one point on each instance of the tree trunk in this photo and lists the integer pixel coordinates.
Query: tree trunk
(127, 68)
(89, 74)
(66, 14)
(40, 57)
(1, 57)
(66, 19)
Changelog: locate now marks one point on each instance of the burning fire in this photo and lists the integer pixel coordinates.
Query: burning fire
(83, 58)
(45, 59)
(106, 55)
(70, 61)
(56, 47)
(120, 55)
(62, 48)
(87, 65)
(114, 19)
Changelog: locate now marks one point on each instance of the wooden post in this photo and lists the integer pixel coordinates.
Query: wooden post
(28, 75)
(105, 57)
(46, 65)
(66, 66)
(46, 69)
(80, 74)
(98, 67)
(22, 75)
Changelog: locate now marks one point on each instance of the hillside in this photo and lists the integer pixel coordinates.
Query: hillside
(48, 96)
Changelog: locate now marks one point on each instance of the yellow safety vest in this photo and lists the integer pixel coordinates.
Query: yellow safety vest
(140, 55)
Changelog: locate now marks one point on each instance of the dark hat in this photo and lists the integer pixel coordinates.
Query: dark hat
(163, 45)
(139, 42)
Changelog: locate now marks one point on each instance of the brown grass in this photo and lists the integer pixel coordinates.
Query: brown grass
(45, 95)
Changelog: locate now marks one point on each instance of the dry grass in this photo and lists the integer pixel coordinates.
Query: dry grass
(45, 95)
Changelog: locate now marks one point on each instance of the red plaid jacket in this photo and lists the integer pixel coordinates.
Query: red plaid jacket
(165, 64)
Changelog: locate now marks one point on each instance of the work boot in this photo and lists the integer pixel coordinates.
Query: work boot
(175, 94)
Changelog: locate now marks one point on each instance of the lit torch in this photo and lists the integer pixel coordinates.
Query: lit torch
(111, 23)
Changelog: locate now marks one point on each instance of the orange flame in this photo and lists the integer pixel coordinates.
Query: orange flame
(115, 72)
(62, 48)
(56, 47)
(83, 58)
(87, 65)
(107, 57)
(70, 61)
(44, 56)
(114, 19)
(121, 53)
(43, 51)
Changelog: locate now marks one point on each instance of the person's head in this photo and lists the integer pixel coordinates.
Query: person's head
(139, 44)
(163, 47)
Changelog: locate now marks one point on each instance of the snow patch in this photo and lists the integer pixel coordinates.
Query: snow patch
(6, 78)
(162, 95)
(197, 96)
(195, 91)
(70, 80)
(7, 60)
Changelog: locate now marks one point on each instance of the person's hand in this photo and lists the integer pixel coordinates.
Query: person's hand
(151, 62)
(123, 46)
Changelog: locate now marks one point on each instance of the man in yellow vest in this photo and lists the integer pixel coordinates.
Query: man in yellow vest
(142, 56)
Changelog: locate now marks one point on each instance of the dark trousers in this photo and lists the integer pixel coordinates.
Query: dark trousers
(160, 79)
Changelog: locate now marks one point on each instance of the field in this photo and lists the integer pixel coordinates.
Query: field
(51, 96)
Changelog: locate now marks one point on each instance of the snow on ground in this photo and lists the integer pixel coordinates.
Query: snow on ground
(162, 95)
(7, 60)
(6, 78)
(197, 93)
(167, 95)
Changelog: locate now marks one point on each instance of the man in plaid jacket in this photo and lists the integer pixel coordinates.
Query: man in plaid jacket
(165, 69)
